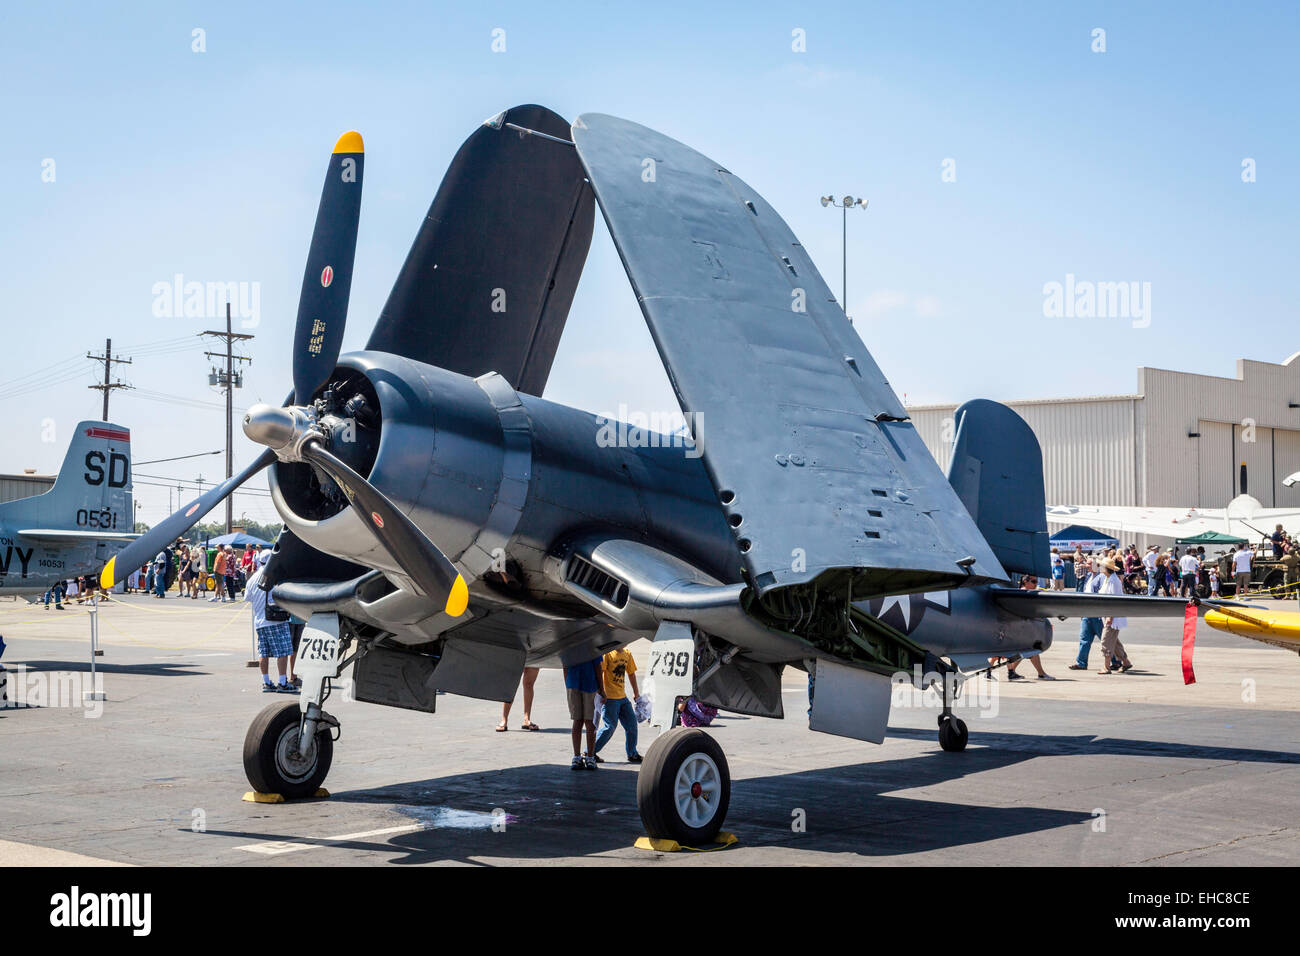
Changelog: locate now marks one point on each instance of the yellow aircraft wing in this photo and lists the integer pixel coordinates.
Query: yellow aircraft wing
(1279, 628)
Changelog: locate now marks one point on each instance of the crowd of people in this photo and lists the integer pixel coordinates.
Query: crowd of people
(1157, 573)
(1169, 573)
(193, 569)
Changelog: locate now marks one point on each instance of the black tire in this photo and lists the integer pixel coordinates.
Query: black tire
(273, 735)
(657, 783)
(953, 735)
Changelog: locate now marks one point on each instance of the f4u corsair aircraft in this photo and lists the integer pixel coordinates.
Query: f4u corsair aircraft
(445, 526)
(78, 524)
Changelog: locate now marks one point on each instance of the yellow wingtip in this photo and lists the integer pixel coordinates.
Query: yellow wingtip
(350, 142)
(458, 599)
(106, 576)
(1274, 626)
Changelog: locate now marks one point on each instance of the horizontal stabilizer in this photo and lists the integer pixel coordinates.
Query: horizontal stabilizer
(56, 534)
(1078, 604)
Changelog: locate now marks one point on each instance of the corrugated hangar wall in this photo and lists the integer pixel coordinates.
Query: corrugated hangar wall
(1089, 452)
(13, 487)
(1247, 418)
(1138, 450)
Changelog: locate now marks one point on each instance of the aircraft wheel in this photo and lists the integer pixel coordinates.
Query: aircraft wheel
(953, 735)
(684, 787)
(271, 759)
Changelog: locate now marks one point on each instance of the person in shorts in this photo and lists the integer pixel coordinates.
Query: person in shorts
(1241, 562)
(582, 682)
(274, 634)
(1058, 571)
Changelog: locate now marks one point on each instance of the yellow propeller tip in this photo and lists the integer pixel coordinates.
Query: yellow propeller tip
(106, 576)
(350, 142)
(458, 599)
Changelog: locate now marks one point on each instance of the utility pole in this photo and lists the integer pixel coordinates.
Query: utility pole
(229, 381)
(109, 362)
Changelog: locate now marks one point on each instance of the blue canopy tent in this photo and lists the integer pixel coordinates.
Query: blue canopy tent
(1078, 536)
(237, 540)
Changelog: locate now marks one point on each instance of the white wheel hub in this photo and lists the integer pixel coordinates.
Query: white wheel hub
(288, 761)
(697, 790)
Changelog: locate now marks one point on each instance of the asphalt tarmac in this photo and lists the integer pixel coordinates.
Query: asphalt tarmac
(1088, 769)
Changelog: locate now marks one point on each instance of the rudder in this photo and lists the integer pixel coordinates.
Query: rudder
(997, 471)
(93, 489)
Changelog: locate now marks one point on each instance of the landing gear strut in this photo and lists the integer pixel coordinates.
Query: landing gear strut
(684, 787)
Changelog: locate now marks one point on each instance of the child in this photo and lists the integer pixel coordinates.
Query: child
(582, 682)
(692, 713)
(615, 666)
(1214, 581)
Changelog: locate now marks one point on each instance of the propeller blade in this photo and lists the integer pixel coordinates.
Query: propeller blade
(413, 552)
(323, 302)
(145, 547)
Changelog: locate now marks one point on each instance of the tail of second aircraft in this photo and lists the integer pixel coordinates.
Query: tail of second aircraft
(91, 497)
(997, 471)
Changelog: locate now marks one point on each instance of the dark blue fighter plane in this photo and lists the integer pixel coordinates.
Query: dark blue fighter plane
(445, 526)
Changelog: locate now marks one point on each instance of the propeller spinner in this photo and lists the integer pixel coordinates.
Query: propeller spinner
(294, 433)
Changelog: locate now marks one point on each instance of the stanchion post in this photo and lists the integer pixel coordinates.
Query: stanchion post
(253, 661)
(95, 693)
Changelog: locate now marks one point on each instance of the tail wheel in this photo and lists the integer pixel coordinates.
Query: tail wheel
(684, 787)
(953, 735)
(271, 759)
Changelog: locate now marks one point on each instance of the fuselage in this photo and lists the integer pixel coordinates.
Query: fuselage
(503, 482)
(28, 566)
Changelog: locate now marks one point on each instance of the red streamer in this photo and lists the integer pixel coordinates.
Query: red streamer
(1189, 643)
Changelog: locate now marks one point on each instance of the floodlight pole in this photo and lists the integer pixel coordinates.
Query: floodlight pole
(844, 205)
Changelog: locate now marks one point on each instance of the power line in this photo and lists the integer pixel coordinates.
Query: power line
(158, 461)
(168, 399)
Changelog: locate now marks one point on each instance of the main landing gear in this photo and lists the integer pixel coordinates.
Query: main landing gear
(684, 787)
(273, 760)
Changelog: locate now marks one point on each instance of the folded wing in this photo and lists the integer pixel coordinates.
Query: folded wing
(808, 447)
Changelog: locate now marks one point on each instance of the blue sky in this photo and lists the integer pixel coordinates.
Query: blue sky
(1115, 166)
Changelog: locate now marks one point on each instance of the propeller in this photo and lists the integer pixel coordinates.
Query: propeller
(327, 281)
(414, 553)
(293, 433)
(142, 549)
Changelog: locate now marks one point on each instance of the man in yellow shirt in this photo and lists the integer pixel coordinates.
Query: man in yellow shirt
(615, 667)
